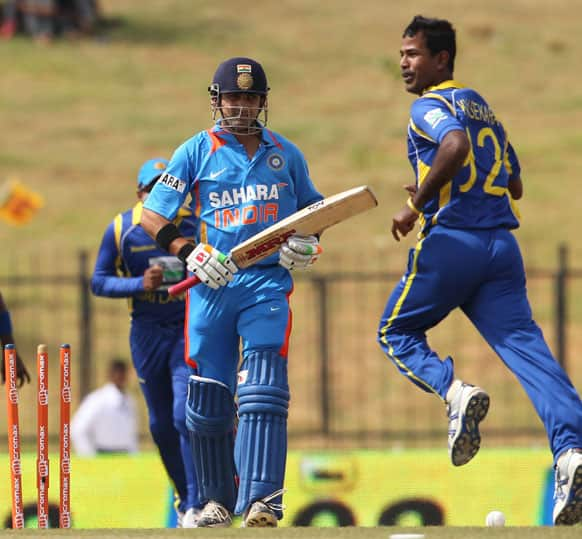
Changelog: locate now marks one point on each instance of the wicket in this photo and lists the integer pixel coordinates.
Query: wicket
(42, 459)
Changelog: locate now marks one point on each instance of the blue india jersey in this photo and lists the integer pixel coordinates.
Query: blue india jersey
(232, 197)
(477, 197)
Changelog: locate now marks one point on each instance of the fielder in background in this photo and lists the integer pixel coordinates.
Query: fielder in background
(467, 174)
(6, 337)
(131, 265)
(242, 178)
(106, 420)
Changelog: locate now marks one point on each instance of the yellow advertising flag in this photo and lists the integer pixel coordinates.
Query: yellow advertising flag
(18, 203)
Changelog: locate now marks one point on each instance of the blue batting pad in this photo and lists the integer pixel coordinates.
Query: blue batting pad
(210, 414)
(261, 442)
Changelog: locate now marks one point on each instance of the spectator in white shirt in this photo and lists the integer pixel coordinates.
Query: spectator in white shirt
(106, 421)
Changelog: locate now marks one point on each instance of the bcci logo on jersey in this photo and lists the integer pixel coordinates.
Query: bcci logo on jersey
(275, 161)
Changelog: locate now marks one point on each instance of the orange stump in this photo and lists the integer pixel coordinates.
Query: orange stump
(13, 436)
(42, 459)
(65, 438)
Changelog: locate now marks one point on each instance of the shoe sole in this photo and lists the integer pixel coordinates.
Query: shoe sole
(572, 512)
(221, 525)
(468, 441)
(261, 520)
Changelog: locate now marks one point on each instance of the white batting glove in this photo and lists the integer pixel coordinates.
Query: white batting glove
(299, 252)
(212, 267)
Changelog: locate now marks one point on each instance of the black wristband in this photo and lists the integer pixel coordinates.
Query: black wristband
(166, 235)
(185, 251)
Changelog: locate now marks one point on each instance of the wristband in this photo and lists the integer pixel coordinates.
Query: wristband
(411, 205)
(166, 235)
(185, 251)
(5, 323)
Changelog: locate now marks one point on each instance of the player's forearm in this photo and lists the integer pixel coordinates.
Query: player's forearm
(116, 287)
(515, 187)
(448, 161)
(153, 223)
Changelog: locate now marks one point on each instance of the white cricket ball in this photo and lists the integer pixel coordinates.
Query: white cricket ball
(495, 519)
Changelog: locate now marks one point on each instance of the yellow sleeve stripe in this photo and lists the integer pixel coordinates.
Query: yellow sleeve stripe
(420, 132)
(441, 98)
(136, 214)
(117, 224)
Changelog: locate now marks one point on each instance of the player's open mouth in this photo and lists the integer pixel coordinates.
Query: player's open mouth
(407, 77)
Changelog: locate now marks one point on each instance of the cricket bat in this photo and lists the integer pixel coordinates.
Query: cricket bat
(313, 219)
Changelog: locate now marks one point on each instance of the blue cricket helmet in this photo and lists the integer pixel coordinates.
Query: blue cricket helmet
(151, 170)
(239, 75)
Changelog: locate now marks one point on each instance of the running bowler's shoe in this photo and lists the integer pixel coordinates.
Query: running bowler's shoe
(263, 513)
(467, 406)
(214, 515)
(179, 512)
(568, 488)
(190, 518)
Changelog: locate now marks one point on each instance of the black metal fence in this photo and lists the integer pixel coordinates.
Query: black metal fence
(344, 392)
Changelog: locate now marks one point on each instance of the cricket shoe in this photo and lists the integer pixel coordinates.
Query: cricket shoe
(190, 518)
(568, 488)
(263, 513)
(179, 512)
(467, 406)
(214, 515)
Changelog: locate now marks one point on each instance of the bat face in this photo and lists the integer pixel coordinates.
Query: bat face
(247, 254)
(310, 220)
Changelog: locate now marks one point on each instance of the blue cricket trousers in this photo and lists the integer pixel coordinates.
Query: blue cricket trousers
(482, 272)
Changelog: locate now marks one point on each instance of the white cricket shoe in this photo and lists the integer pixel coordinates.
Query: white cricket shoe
(262, 513)
(467, 406)
(190, 518)
(568, 488)
(214, 515)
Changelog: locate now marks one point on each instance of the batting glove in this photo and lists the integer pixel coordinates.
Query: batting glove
(212, 267)
(299, 252)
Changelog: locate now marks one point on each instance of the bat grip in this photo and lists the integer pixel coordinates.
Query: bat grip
(184, 285)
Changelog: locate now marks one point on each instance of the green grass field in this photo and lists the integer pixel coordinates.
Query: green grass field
(319, 533)
(80, 117)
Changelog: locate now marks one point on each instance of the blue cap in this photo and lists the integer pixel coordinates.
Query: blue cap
(239, 75)
(150, 171)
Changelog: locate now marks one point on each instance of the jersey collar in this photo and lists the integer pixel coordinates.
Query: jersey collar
(443, 86)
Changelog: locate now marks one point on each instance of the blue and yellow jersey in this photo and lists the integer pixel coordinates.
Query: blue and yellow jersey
(477, 197)
(126, 252)
(232, 197)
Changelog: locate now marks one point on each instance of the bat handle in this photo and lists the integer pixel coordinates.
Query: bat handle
(184, 285)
